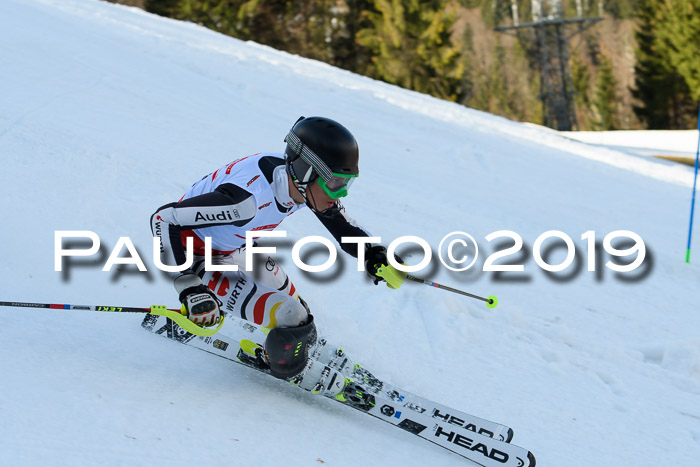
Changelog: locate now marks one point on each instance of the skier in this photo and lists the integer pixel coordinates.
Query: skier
(256, 193)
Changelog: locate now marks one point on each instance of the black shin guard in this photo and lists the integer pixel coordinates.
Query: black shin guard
(287, 349)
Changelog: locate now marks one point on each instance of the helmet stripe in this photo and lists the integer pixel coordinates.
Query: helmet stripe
(309, 156)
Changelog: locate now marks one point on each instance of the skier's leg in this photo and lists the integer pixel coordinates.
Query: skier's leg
(253, 300)
(268, 273)
(273, 304)
(273, 275)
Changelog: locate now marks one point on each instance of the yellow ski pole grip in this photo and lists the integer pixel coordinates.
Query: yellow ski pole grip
(179, 316)
(393, 277)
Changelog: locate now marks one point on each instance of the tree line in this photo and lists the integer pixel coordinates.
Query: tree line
(667, 72)
(447, 48)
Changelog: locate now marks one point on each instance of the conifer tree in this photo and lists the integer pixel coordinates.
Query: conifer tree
(663, 96)
(321, 29)
(680, 39)
(605, 97)
(410, 46)
(161, 7)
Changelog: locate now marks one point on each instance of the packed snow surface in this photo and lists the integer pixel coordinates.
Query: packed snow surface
(683, 143)
(107, 113)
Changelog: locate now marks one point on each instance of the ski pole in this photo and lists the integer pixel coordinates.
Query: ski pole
(162, 310)
(491, 300)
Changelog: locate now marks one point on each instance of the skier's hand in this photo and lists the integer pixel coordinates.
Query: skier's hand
(378, 267)
(200, 303)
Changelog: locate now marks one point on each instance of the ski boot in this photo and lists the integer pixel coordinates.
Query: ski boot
(286, 356)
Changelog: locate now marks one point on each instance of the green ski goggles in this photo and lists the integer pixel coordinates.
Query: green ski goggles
(337, 186)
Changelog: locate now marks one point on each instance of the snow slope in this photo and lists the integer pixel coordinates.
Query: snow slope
(649, 143)
(108, 113)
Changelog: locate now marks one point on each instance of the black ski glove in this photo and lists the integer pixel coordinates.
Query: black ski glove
(375, 258)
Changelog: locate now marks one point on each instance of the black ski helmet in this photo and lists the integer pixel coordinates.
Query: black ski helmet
(319, 146)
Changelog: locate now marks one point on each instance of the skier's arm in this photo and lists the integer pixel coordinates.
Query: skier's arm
(229, 204)
(339, 224)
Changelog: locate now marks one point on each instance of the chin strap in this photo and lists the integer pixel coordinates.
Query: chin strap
(313, 209)
(302, 187)
(302, 190)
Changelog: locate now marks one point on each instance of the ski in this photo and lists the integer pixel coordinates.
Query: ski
(449, 432)
(477, 448)
(336, 358)
(239, 330)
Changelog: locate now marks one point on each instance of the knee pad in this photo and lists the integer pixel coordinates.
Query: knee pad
(287, 349)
